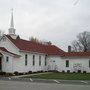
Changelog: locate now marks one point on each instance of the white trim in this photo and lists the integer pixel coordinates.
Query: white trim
(12, 43)
(3, 52)
(32, 52)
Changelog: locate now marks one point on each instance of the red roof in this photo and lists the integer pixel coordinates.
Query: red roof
(36, 47)
(53, 50)
(5, 50)
(77, 54)
(41, 48)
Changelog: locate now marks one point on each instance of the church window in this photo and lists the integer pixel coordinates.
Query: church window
(7, 59)
(26, 59)
(33, 60)
(67, 63)
(45, 60)
(89, 63)
(39, 60)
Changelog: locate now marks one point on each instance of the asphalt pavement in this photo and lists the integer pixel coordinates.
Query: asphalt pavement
(33, 80)
(15, 85)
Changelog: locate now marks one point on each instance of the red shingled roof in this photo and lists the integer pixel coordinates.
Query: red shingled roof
(41, 48)
(36, 47)
(77, 54)
(53, 50)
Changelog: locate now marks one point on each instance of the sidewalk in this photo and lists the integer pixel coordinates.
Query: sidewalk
(29, 75)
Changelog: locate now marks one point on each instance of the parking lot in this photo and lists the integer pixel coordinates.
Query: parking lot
(71, 82)
(15, 85)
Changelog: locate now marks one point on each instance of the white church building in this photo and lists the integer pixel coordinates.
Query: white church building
(21, 55)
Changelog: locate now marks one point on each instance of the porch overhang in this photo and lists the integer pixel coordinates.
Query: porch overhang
(4, 50)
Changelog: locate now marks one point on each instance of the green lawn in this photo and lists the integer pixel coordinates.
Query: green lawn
(62, 76)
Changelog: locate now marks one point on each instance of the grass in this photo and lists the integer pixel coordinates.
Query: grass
(62, 76)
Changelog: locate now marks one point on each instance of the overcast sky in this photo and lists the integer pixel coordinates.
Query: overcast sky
(58, 21)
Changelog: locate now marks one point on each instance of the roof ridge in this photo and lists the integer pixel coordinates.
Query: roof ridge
(27, 45)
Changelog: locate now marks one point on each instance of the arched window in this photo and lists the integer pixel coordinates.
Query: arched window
(26, 59)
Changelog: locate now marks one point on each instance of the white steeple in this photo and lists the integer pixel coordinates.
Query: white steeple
(11, 29)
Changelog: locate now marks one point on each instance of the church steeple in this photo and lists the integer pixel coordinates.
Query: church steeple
(12, 29)
(12, 23)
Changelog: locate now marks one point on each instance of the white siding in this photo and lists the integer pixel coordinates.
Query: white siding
(19, 64)
(78, 63)
(7, 66)
(9, 46)
(58, 63)
(55, 63)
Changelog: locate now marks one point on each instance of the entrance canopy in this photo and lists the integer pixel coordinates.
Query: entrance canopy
(2, 49)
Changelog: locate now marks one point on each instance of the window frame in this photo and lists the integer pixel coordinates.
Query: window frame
(33, 63)
(45, 60)
(89, 63)
(7, 59)
(67, 63)
(39, 60)
(26, 58)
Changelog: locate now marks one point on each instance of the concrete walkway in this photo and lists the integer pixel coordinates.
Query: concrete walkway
(34, 80)
(30, 75)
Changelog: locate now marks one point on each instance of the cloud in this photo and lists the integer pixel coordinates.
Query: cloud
(58, 21)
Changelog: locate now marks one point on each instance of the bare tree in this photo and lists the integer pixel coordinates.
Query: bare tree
(34, 39)
(82, 43)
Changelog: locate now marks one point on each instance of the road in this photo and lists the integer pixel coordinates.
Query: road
(15, 85)
(73, 82)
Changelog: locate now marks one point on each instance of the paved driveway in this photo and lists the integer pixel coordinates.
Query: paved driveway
(14, 85)
(73, 82)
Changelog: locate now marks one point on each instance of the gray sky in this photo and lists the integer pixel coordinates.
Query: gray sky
(58, 21)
